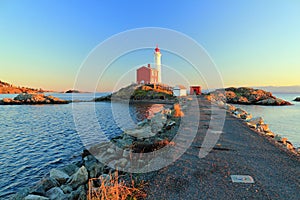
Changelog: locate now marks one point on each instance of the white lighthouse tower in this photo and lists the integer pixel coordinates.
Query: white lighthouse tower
(157, 58)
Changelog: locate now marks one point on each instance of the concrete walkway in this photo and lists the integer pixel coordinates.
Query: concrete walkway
(239, 151)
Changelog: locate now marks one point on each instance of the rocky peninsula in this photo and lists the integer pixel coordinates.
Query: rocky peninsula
(248, 96)
(32, 99)
(7, 88)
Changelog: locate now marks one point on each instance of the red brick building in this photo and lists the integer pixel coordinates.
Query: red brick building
(146, 75)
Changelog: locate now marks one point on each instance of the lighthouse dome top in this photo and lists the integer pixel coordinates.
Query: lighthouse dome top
(157, 49)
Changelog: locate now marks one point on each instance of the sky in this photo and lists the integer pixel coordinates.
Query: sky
(44, 44)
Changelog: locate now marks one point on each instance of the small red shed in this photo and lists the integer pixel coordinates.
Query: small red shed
(195, 90)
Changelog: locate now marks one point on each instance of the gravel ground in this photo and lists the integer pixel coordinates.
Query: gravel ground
(240, 151)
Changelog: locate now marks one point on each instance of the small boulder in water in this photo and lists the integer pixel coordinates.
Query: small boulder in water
(297, 99)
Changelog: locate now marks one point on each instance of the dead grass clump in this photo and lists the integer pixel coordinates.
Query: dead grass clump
(115, 188)
(177, 111)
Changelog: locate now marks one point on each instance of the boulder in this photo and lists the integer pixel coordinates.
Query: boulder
(142, 132)
(157, 122)
(263, 128)
(255, 121)
(44, 185)
(59, 175)
(79, 178)
(38, 189)
(49, 183)
(270, 134)
(284, 140)
(289, 146)
(79, 194)
(66, 189)
(21, 194)
(35, 197)
(55, 193)
(240, 113)
(69, 169)
(230, 107)
(93, 166)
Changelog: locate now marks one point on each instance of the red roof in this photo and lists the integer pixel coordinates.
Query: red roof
(157, 49)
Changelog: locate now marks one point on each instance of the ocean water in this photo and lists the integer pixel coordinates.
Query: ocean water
(37, 138)
(282, 120)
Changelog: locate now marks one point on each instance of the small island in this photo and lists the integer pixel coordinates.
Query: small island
(32, 99)
(246, 96)
(297, 99)
(73, 91)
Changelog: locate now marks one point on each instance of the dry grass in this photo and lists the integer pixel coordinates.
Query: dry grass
(115, 189)
(177, 111)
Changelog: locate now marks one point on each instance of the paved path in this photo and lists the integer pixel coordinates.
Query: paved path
(239, 151)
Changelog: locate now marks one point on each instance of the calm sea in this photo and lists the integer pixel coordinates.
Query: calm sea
(37, 138)
(282, 120)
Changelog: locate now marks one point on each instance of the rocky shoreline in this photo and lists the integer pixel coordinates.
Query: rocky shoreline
(32, 99)
(257, 124)
(72, 181)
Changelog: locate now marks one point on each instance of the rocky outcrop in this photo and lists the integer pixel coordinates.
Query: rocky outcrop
(136, 92)
(244, 95)
(25, 98)
(297, 99)
(6, 88)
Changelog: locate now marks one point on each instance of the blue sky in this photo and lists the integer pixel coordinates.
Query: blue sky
(44, 43)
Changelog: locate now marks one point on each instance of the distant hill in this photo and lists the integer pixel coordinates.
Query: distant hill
(7, 88)
(281, 89)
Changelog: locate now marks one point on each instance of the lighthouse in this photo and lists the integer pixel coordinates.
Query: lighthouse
(157, 60)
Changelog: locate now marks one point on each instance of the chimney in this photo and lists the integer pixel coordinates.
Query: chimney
(148, 65)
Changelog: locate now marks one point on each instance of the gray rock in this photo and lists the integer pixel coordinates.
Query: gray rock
(79, 178)
(93, 166)
(55, 193)
(59, 175)
(69, 169)
(38, 189)
(21, 194)
(157, 122)
(122, 162)
(79, 194)
(66, 189)
(48, 183)
(35, 197)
